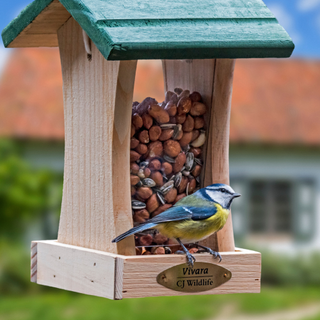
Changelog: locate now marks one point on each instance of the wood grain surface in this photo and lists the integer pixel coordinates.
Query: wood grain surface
(115, 276)
(213, 79)
(96, 204)
(42, 31)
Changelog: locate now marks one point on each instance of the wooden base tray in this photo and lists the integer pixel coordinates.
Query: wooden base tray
(116, 277)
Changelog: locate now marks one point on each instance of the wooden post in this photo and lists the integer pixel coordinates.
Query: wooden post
(213, 79)
(96, 203)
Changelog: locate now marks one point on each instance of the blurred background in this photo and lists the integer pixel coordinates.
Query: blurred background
(274, 164)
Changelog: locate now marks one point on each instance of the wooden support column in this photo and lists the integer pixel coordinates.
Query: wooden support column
(213, 79)
(96, 203)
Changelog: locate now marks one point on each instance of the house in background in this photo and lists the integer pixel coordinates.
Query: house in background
(274, 137)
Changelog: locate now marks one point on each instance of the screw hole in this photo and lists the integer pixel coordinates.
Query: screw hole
(94, 264)
(92, 281)
(54, 275)
(59, 258)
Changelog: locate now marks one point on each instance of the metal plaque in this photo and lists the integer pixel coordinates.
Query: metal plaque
(202, 277)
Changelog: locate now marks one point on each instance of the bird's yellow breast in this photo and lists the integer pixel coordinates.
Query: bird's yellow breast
(195, 230)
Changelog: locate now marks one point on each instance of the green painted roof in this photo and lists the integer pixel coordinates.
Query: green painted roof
(171, 29)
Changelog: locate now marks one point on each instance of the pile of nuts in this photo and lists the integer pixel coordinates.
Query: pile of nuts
(165, 159)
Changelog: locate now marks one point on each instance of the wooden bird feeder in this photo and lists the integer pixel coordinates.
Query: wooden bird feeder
(197, 42)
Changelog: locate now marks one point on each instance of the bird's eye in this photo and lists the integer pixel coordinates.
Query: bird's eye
(223, 190)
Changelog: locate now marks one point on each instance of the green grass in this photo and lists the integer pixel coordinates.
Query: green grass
(63, 305)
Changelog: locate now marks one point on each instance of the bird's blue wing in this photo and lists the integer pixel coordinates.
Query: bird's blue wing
(184, 213)
(202, 213)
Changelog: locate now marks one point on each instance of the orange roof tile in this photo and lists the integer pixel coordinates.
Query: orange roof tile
(274, 101)
(31, 95)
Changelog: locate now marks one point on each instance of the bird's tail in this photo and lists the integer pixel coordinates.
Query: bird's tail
(133, 230)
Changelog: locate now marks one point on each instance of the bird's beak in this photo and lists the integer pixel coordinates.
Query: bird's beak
(236, 195)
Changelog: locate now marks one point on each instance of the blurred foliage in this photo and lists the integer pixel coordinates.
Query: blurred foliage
(25, 192)
(65, 305)
(282, 270)
(14, 269)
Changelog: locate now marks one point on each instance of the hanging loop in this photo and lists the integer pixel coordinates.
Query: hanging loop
(87, 45)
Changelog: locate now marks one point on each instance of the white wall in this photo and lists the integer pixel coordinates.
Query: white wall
(280, 163)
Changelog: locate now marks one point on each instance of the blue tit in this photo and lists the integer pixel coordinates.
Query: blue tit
(193, 218)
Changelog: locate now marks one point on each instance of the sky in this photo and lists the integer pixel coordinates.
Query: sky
(301, 19)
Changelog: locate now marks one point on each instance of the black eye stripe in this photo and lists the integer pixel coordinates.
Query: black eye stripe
(223, 190)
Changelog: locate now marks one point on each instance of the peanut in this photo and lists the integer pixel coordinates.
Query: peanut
(167, 168)
(155, 133)
(186, 139)
(195, 96)
(161, 209)
(157, 113)
(144, 193)
(179, 163)
(166, 134)
(171, 108)
(144, 136)
(188, 125)
(171, 195)
(147, 121)
(172, 148)
(198, 109)
(156, 176)
(141, 216)
(137, 121)
(155, 164)
(134, 156)
(184, 105)
(142, 148)
(152, 203)
(134, 143)
(134, 179)
(198, 122)
(155, 149)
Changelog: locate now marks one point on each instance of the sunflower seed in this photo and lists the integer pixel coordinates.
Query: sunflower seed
(161, 198)
(136, 205)
(172, 178)
(189, 161)
(167, 250)
(167, 126)
(177, 131)
(139, 184)
(186, 173)
(177, 179)
(187, 189)
(186, 148)
(167, 187)
(141, 174)
(148, 182)
(169, 159)
(155, 190)
(198, 161)
(143, 164)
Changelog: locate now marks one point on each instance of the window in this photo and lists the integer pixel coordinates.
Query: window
(274, 207)
(270, 207)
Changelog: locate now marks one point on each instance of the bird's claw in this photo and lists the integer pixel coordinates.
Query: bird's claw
(214, 253)
(190, 259)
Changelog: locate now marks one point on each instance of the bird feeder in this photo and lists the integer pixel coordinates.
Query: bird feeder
(100, 42)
